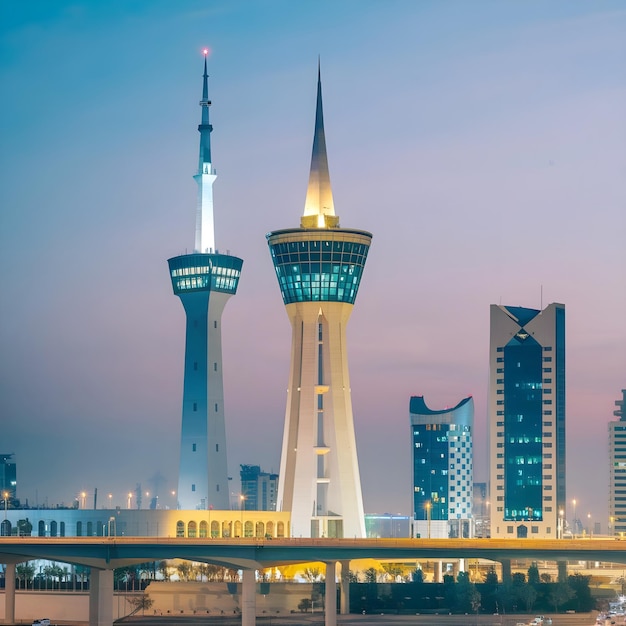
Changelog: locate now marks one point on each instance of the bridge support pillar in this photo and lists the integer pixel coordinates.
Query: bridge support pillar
(101, 597)
(331, 594)
(562, 571)
(506, 570)
(248, 598)
(438, 572)
(9, 594)
(344, 609)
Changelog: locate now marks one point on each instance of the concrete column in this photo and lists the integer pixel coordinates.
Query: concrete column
(439, 572)
(506, 570)
(344, 590)
(462, 565)
(9, 594)
(455, 569)
(248, 598)
(101, 597)
(562, 571)
(331, 594)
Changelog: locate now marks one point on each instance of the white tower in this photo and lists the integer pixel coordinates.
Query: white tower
(319, 268)
(204, 281)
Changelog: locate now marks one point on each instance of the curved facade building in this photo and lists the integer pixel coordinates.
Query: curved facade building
(319, 268)
(443, 469)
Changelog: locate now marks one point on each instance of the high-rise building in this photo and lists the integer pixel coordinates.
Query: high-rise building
(527, 421)
(8, 478)
(258, 489)
(480, 510)
(319, 268)
(443, 472)
(617, 465)
(204, 281)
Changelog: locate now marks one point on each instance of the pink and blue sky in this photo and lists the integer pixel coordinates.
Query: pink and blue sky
(482, 143)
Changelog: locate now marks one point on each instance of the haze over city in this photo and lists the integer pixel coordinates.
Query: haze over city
(483, 144)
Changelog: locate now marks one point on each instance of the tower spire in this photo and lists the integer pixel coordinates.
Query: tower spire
(205, 177)
(319, 208)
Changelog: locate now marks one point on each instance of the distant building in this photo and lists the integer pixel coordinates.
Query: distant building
(387, 526)
(527, 421)
(8, 478)
(480, 509)
(617, 465)
(443, 473)
(195, 524)
(258, 489)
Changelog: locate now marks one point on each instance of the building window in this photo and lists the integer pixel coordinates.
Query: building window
(193, 447)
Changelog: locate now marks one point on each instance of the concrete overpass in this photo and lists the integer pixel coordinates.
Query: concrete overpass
(104, 554)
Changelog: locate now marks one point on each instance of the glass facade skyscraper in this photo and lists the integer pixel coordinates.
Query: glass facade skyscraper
(443, 472)
(617, 469)
(527, 421)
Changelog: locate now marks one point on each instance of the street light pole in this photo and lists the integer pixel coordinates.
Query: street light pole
(428, 505)
(574, 524)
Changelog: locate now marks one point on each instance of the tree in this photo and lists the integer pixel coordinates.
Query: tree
(579, 585)
(560, 594)
(139, 603)
(25, 572)
(371, 575)
(304, 605)
(312, 574)
(393, 570)
(533, 575)
(528, 596)
(491, 577)
(164, 569)
(545, 577)
(417, 575)
(184, 570)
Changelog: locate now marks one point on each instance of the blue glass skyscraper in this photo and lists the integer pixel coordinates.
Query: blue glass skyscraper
(527, 421)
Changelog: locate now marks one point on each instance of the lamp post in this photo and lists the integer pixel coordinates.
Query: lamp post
(589, 524)
(130, 497)
(560, 526)
(110, 501)
(574, 524)
(241, 501)
(428, 505)
(83, 497)
(5, 495)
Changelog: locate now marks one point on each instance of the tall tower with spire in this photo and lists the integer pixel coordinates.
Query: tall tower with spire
(319, 268)
(204, 281)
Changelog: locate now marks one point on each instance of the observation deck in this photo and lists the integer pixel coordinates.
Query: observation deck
(314, 265)
(205, 272)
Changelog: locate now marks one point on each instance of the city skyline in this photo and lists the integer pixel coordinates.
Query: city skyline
(477, 144)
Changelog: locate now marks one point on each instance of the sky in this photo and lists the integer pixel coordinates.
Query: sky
(482, 143)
